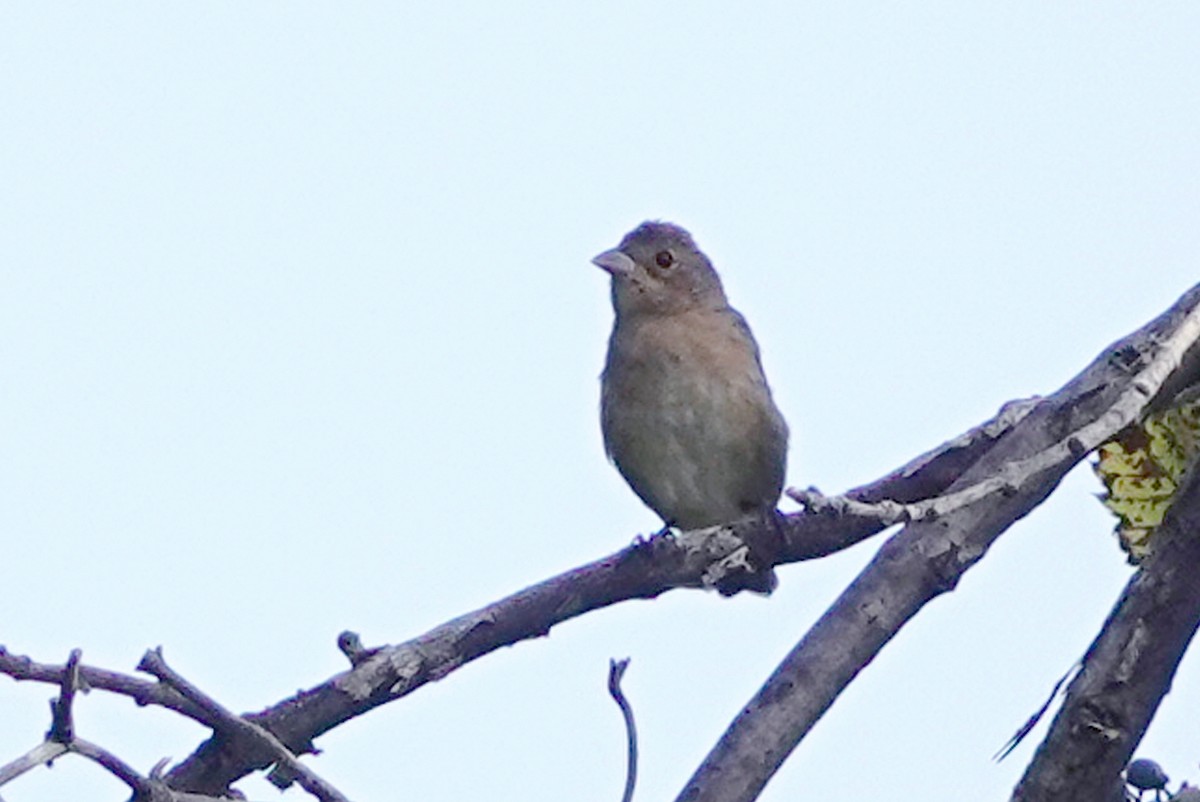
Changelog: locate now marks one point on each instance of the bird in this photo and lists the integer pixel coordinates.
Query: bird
(686, 413)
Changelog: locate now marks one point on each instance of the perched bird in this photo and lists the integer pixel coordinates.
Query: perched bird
(686, 411)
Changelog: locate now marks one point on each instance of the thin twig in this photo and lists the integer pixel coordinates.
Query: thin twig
(145, 789)
(40, 755)
(616, 670)
(1033, 720)
(114, 765)
(61, 739)
(142, 692)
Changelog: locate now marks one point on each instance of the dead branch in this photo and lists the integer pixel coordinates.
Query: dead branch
(1127, 669)
(996, 473)
(237, 728)
(19, 667)
(928, 557)
(641, 571)
(61, 739)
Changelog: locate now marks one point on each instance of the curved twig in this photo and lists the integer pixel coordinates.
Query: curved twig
(616, 670)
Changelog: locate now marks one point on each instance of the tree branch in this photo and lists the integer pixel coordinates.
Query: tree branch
(1127, 669)
(255, 738)
(944, 546)
(61, 739)
(928, 558)
(641, 571)
(140, 691)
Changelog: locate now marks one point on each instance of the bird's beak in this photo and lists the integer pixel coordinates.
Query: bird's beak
(615, 262)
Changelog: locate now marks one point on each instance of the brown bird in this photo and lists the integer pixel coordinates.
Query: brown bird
(686, 411)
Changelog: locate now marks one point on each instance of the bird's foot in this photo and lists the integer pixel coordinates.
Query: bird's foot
(641, 541)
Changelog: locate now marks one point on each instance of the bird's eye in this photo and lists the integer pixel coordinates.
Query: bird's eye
(664, 259)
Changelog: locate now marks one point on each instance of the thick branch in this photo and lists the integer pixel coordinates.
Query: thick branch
(641, 571)
(928, 558)
(1127, 670)
(636, 572)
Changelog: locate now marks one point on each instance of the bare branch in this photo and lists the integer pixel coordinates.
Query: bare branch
(234, 726)
(145, 789)
(1021, 431)
(641, 571)
(140, 785)
(140, 691)
(40, 755)
(62, 729)
(1127, 669)
(928, 558)
(383, 674)
(61, 739)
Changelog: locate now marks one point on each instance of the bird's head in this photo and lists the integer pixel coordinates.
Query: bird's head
(657, 269)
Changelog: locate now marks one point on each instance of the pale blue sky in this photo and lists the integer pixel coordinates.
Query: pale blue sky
(298, 333)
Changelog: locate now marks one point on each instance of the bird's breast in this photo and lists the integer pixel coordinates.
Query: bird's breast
(686, 415)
